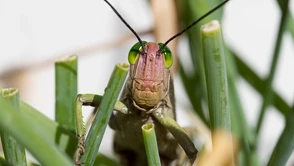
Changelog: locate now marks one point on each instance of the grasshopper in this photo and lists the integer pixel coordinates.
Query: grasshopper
(148, 95)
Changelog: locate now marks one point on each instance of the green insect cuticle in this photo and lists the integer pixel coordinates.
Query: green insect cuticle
(134, 52)
(167, 55)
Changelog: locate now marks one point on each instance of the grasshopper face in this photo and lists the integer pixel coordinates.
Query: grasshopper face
(149, 73)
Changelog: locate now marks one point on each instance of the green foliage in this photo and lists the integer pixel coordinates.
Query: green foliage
(54, 142)
(189, 11)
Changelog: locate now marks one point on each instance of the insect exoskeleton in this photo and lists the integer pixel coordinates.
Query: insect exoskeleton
(149, 73)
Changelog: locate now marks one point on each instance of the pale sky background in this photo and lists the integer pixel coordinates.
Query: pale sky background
(32, 31)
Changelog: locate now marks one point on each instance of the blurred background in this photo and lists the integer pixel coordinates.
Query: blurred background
(35, 33)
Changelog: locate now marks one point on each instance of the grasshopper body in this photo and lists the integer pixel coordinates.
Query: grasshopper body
(148, 87)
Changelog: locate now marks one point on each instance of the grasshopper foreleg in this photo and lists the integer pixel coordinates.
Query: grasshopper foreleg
(178, 132)
(94, 101)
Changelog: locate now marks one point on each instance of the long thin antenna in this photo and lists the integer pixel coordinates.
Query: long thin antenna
(124, 21)
(191, 25)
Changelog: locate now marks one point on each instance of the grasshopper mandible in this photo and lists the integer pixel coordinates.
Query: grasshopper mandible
(149, 97)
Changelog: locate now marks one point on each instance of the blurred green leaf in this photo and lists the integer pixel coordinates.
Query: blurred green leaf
(268, 93)
(285, 144)
(56, 135)
(30, 134)
(238, 119)
(259, 84)
(290, 21)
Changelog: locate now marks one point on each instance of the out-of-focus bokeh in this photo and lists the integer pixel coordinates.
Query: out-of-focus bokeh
(34, 33)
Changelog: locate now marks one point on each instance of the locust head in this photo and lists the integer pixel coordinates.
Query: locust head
(150, 74)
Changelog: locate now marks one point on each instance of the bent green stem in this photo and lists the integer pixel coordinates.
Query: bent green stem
(268, 94)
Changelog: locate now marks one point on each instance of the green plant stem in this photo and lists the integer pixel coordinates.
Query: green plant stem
(285, 144)
(13, 151)
(216, 76)
(29, 133)
(66, 89)
(268, 94)
(109, 99)
(150, 142)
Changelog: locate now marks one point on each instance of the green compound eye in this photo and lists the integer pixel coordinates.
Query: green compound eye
(167, 56)
(134, 53)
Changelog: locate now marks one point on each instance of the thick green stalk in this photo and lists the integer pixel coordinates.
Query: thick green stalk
(268, 94)
(109, 99)
(30, 134)
(66, 89)
(13, 151)
(285, 144)
(216, 76)
(150, 143)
